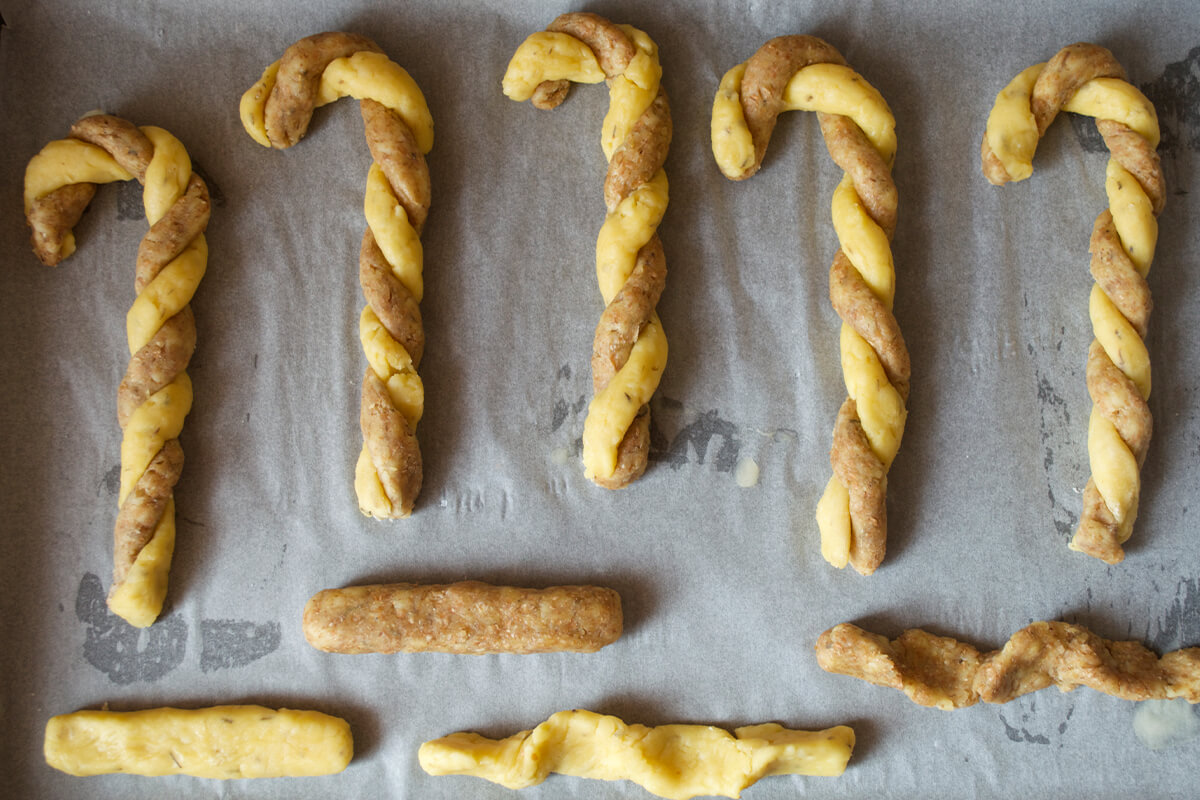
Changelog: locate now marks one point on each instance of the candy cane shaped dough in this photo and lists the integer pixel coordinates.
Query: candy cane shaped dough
(156, 394)
(1086, 79)
(629, 350)
(806, 73)
(399, 130)
(673, 761)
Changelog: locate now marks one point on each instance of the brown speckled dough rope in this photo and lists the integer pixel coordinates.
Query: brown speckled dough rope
(1086, 78)
(399, 131)
(629, 350)
(155, 394)
(469, 617)
(944, 673)
(806, 73)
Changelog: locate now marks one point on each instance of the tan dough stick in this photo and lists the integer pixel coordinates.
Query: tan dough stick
(942, 672)
(156, 394)
(673, 761)
(806, 73)
(629, 350)
(216, 742)
(1086, 79)
(469, 617)
(399, 130)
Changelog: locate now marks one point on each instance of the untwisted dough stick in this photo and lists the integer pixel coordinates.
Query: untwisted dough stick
(399, 130)
(945, 673)
(806, 73)
(468, 617)
(156, 394)
(1086, 79)
(673, 761)
(629, 351)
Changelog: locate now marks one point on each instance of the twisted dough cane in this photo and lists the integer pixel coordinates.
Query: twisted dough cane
(629, 350)
(1086, 79)
(944, 673)
(156, 394)
(674, 761)
(399, 130)
(806, 73)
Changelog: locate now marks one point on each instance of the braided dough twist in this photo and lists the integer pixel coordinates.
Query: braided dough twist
(399, 130)
(629, 351)
(806, 73)
(945, 673)
(674, 761)
(155, 394)
(1086, 79)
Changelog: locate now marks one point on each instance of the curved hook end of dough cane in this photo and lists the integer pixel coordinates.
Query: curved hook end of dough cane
(732, 145)
(253, 105)
(549, 56)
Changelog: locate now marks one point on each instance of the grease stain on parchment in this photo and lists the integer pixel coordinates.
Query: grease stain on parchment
(122, 652)
(1055, 418)
(1033, 727)
(228, 643)
(1180, 625)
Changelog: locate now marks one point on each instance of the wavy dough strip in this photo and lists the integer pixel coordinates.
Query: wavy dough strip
(806, 73)
(1086, 79)
(629, 351)
(944, 673)
(673, 761)
(156, 394)
(399, 130)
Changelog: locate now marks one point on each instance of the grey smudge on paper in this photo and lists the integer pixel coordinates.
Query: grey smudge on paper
(122, 652)
(110, 485)
(227, 643)
(129, 201)
(1180, 626)
(1021, 734)
(1086, 134)
(696, 437)
(1176, 98)
(1055, 416)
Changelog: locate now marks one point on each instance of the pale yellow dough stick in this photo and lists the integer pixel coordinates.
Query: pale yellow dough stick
(156, 394)
(805, 73)
(672, 761)
(276, 111)
(629, 349)
(220, 742)
(1086, 79)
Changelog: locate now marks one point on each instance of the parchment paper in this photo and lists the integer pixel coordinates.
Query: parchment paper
(724, 588)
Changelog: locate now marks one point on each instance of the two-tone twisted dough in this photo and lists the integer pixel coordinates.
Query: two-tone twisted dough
(468, 617)
(806, 73)
(1086, 79)
(629, 351)
(673, 761)
(399, 130)
(155, 394)
(945, 673)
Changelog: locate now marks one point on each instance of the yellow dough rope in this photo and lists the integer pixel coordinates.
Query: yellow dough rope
(1086, 79)
(945, 673)
(629, 351)
(218, 742)
(156, 394)
(806, 73)
(399, 130)
(673, 761)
